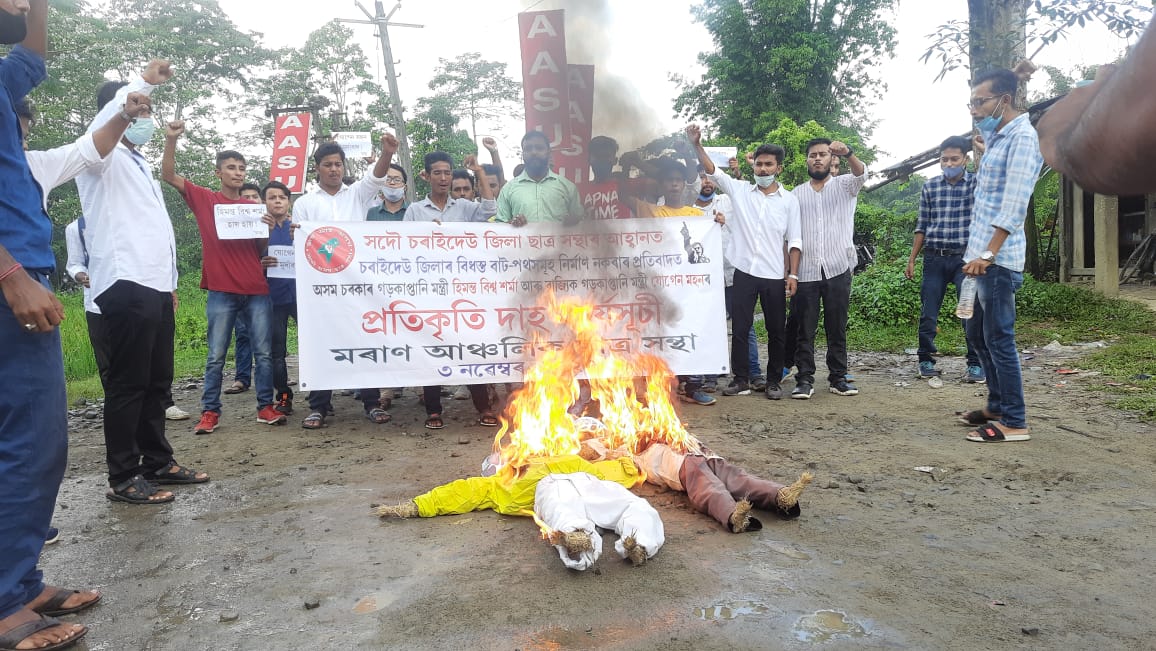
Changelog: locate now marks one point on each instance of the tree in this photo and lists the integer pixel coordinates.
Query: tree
(434, 128)
(998, 33)
(797, 59)
(470, 85)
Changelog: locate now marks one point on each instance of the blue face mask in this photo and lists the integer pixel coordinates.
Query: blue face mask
(988, 125)
(952, 173)
(140, 131)
(765, 181)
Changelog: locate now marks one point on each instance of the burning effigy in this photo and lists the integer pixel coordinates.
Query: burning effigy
(588, 423)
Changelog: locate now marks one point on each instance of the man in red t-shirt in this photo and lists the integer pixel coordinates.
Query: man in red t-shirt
(231, 270)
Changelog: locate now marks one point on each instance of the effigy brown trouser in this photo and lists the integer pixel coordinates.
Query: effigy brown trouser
(715, 486)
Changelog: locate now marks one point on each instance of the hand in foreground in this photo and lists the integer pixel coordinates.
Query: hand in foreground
(158, 72)
(32, 304)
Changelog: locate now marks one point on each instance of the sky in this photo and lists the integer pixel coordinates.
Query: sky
(915, 113)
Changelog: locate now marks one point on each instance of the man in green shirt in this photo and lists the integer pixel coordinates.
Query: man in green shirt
(393, 208)
(538, 194)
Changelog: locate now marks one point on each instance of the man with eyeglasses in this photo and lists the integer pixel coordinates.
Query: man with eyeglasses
(996, 249)
(392, 208)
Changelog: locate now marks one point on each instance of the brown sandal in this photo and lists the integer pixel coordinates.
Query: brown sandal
(34, 623)
(54, 606)
(488, 419)
(434, 422)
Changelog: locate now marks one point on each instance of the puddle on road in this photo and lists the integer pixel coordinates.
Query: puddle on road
(731, 610)
(827, 625)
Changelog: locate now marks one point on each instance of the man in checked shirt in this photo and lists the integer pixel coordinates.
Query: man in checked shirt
(996, 249)
(941, 234)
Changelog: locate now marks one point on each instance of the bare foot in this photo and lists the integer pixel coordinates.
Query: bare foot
(52, 635)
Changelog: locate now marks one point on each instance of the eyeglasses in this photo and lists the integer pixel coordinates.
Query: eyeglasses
(394, 180)
(977, 102)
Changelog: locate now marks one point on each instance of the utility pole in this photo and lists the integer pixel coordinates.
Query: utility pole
(380, 20)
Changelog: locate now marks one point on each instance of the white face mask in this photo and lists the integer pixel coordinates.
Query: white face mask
(393, 195)
(765, 181)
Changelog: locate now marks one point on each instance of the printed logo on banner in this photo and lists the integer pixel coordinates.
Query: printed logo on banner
(329, 250)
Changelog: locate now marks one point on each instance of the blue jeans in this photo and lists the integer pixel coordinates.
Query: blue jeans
(753, 356)
(33, 451)
(243, 355)
(991, 332)
(224, 310)
(938, 271)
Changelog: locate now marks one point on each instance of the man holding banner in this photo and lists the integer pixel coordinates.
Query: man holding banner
(233, 239)
(336, 202)
(538, 194)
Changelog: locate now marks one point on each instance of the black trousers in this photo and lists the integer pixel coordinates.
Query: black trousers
(772, 294)
(135, 333)
(281, 314)
(432, 397)
(835, 295)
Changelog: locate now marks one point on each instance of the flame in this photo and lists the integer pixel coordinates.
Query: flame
(633, 393)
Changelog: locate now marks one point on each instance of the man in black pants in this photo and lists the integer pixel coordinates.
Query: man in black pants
(133, 272)
(828, 219)
(765, 226)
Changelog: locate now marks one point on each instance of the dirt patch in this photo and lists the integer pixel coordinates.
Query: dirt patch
(1052, 537)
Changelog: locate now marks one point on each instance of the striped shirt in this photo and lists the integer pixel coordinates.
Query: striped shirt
(1007, 178)
(945, 212)
(828, 221)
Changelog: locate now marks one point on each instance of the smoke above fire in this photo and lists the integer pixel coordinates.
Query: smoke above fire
(620, 110)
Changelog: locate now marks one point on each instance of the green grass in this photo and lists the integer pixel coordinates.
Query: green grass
(1123, 364)
(189, 343)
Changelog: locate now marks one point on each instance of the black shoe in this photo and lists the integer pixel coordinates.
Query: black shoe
(737, 388)
(803, 391)
(284, 404)
(759, 384)
(842, 388)
(774, 392)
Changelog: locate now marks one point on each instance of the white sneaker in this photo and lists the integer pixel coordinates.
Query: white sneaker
(176, 413)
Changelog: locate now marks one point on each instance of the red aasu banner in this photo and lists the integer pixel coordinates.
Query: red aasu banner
(291, 150)
(544, 78)
(574, 160)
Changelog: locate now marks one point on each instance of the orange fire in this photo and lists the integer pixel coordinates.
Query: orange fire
(633, 393)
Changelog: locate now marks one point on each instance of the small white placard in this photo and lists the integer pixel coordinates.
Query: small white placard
(240, 221)
(357, 144)
(286, 263)
(721, 156)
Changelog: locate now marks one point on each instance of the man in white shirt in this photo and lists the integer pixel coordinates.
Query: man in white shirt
(133, 272)
(334, 201)
(764, 226)
(439, 205)
(828, 205)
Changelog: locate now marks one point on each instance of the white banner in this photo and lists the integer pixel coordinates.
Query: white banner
(356, 144)
(414, 303)
(286, 262)
(721, 156)
(240, 221)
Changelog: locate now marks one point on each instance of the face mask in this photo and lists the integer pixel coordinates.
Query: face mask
(13, 28)
(952, 172)
(988, 125)
(765, 181)
(393, 195)
(705, 197)
(141, 131)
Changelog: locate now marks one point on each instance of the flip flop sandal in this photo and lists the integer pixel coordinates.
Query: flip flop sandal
(975, 417)
(378, 416)
(315, 420)
(21, 632)
(166, 476)
(989, 433)
(54, 607)
(488, 419)
(435, 422)
(236, 388)
(137, 490)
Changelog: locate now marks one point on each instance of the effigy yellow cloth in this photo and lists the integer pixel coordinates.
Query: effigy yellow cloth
(517, 497)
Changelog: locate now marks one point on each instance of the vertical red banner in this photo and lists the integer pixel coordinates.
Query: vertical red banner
(574, 160)
(291, 150)
(544, 77)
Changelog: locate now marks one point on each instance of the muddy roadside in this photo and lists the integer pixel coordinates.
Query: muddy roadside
(1035, 545)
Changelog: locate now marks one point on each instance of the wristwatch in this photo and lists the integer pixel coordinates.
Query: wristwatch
(126, 117)
(987, 256)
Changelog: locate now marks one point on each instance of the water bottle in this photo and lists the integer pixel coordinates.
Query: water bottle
(966, 305)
